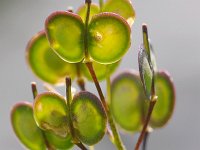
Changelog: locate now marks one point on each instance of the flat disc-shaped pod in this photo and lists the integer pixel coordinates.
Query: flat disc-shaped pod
(164, 107)
(101, 70)
(58, 142)
(26, 128)
(126, 98)
(109, 38)
(88, 117)
(45, 63)
(82, 11)
(122, 7)
(50, 113)
(146, 73)
(65, 33)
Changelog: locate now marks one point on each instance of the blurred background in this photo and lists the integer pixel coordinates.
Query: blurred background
(174, 29)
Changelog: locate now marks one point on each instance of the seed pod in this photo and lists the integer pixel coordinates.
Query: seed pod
(109, 38)
(44, 62)
(65, 32)
(126, 101)
(50, 113)
(88, 117)
(123, 8)
(164, 107)
(25, 127)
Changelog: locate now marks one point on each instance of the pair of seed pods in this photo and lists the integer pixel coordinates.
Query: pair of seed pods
(48, 120)
(129, 103)
(60, 49)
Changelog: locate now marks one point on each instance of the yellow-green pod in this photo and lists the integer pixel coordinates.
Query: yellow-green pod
(126, 101)
(122, 7)
(51, 113)
(58, 142)
(88, 117)
(164, 106)
(65, 32)
(101, 70)
(146, 72)
(25, 127)
(82, 11)
(109, 38)
(44, 63)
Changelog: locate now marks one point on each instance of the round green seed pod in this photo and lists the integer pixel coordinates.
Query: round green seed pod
(65, 32)
(100, 70)
(88, 117)
(25, 127)
(164, 106)
(44, 63)
(51, 113)
(82, 10)
(126, 101)
(109, 38)
(122, 7)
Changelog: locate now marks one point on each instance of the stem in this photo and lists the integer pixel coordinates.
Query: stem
(80, 81)
(151, 106)
(101, 4)
(34, 89)
(88, 2)
(81, 146)
(69, 100)
(117, 139)
(35, 93)
(147, 133)
(91, 70)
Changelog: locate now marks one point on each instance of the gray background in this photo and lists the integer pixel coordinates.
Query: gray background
(174, 31)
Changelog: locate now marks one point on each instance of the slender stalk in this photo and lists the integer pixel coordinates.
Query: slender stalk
(34, 89)
(117, 139)
(35, 93)
(69, 100)
(142, 134)
(81, 146)
(88, 2)
(101, 4)
(80, 81)
(145, 140)
(116, 135)
(93, 74)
